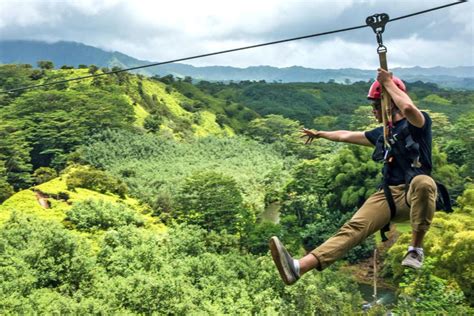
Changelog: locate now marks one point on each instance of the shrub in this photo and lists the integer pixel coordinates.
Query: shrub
(256, 240)
(211, 200)
(100, 214)
(6, 190)
(44, 174)
(423, 292)
(94, 179)
(36, 254)
(152, 123)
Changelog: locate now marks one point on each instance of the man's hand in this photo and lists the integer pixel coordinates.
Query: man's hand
(383, 76)
(311, 134)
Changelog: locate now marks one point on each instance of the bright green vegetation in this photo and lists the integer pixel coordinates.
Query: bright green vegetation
(156, 167)
(51, 270)
(448, 273)
(90, 214)
(152, 191)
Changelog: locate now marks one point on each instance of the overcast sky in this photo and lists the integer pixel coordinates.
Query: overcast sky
(160, 30)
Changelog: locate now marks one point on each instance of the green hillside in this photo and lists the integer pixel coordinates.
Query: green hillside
(125, 194)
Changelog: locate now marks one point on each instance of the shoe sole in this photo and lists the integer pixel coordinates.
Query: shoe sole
(280, 261)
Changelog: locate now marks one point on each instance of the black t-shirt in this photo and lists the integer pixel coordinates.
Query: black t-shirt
(421, 135)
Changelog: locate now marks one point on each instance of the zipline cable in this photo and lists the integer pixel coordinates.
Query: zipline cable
(228, 50)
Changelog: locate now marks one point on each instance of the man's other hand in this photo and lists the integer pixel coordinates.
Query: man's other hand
(311, 134)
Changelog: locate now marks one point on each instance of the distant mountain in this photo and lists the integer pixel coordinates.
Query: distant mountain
(74, 54)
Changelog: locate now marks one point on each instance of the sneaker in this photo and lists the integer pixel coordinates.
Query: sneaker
(283, 261)
(413, 259)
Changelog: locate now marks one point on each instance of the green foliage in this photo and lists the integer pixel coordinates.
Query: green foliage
(313, 294)
(37, 74)
(466, 201)
(14, 76)
(184, 271)
(208, 268)
(463, 134)
(256, 239)
(449, 241)
(93, 69)
(325, 122)
(53, 123)
(162, 165)
(6, 189)
(94, 179)
(362, 119)
(44, 174)
(211, 200)
(277, 129)
(39, 254)
(447, 173)
(45, 64)
(99, 214)
(423, 292)
(354, 178)
(152, 123)
(14, 156)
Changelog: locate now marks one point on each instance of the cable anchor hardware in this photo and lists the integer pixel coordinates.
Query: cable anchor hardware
(377, 22)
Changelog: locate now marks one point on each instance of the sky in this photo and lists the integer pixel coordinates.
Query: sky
(162, 30)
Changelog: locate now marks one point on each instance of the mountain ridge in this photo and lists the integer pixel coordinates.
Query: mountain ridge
(75, 54)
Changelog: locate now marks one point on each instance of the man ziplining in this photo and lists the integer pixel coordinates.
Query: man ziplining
(410, 192)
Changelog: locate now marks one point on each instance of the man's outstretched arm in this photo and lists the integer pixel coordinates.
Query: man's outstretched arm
(357, 138)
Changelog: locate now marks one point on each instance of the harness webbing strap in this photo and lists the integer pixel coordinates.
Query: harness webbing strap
(390, 201)
(387, 133)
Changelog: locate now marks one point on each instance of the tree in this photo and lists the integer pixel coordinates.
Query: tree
(45, 64)
(152, 123)
(44, 174)
(93, 69)
(37, 74)
(15, 158)
(423, 292)
(99, 214)
(271, 128)
(211, 200)
(6, 189)
(54, 123)
(94, 179)
(14, 76)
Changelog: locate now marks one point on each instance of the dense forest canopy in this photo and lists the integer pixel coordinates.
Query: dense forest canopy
(129, 194)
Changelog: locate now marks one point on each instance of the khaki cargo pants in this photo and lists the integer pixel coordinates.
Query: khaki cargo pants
(375, 213)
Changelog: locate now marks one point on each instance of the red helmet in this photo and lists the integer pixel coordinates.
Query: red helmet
(375, 89)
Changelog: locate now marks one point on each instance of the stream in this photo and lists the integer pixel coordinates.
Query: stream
(385, 296)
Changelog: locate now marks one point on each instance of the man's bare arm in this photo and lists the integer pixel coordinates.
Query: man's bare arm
(357, 138)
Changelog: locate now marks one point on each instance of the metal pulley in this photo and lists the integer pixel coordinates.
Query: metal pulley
(377, 23)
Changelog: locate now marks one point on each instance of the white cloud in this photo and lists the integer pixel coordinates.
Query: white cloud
(163, 30)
